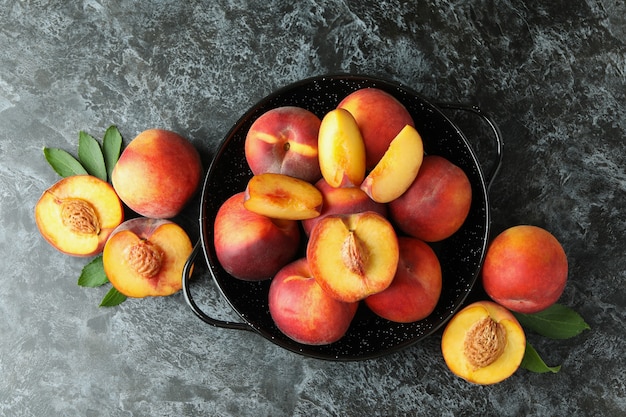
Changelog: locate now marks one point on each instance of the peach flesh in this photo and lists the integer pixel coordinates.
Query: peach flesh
(483, 343)
(341, 150)
(353, 256)
(145, 257)
(77, 214)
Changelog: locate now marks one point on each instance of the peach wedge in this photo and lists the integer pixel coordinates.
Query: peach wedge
(341, 150)
(353, 256)
(77, 214)
(398, 167)
(280, 196)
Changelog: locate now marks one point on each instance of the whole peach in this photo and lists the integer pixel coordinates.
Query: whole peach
(525, 269)
(157, 173)
(303, 311)
(251, 246)
(380, 117)
(437, 202)
(283, 140)
(416, 287)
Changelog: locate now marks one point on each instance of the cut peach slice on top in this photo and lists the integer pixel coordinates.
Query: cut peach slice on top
(397, 169)
(280, 196)
(341, 149)
(353, 256)
(78, 213)
(483, 343)
(145, 257)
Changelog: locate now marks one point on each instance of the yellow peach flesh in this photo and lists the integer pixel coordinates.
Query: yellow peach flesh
(397, 169)
(353, 256)
(341, 149)
(455, 339)
(280, 196)
(89, 192)
(173, 246)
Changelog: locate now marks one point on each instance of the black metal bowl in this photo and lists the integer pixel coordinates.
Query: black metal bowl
(461, 256)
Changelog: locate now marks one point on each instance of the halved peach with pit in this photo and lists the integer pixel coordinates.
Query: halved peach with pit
(353, 256)
(145, 257)
(398, 167)
(483, 343)
(78, 214)
(341, 149)
(280, 196)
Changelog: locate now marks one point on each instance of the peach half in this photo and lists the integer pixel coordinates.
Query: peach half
(397, 168)
(303, 311)
(145, 257)
(280, 196)
(341, 150)
(78, 214)
(483, 343)
(353, 256)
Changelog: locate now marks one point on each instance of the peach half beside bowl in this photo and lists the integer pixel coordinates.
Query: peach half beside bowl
(461, 255)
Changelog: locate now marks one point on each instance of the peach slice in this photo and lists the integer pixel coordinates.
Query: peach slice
(415, 290)
(398, 167)
(483, 343)
(280, 196)
(341, 150)
(303, 311)
(78, 214)
(353, 256)
(145, 257)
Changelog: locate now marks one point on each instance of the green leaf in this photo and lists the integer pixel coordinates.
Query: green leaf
(533, 362)
(112, 298)
(111, 147)
(556, 322)
(63, 163)
(93, 274)
(90, 155)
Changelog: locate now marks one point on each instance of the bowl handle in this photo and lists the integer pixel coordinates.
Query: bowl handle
(496, 132)
(187, 270)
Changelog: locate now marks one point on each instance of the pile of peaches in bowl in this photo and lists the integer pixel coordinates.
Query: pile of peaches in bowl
(346, 211)
(357, 187)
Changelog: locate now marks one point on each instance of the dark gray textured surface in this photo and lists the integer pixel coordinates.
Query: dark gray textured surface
(552, 75)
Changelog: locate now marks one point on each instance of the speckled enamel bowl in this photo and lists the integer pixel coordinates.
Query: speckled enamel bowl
(369, 336)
